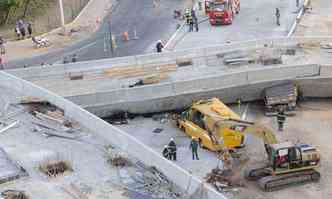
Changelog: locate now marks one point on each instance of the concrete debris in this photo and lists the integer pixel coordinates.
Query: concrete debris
(289, 52)
(117, 118)
(184, 62)
(75, 192)
(157, 130)
(116, 158)
(76, 76)
(162, 118)
(233, 55)
(32, 100)
(49, 116)
(239, 61)
(55, 168)
(9, 169)
(151, 183)
(309, 45)
(120, 161)
(9, 126)
(326, 46)
(14, 114)
(52, 132)
(223, 178)
(13, 194)
(151, 79)
(56, 117)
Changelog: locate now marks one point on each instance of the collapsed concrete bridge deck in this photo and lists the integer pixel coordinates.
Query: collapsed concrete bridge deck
(102, 86)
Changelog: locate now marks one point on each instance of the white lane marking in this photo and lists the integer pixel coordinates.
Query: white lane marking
(76, 51)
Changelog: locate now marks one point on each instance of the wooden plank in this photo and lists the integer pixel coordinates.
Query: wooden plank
(43, 116)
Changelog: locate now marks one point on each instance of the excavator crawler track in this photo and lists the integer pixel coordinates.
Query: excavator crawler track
(272, 183)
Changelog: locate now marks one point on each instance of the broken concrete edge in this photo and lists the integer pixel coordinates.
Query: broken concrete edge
(155, 59)
(186, 181)
(21, 172)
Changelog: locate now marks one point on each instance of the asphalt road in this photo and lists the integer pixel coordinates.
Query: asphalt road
(150, 22)
(256, 20)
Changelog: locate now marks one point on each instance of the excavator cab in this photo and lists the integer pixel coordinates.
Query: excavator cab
(285, 157)
(289, 164)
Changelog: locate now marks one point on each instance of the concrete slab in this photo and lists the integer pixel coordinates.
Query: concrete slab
(9, 169)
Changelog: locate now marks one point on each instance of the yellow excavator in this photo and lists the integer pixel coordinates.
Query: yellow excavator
(217, 128)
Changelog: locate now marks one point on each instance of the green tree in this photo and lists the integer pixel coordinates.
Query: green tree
(6, 7)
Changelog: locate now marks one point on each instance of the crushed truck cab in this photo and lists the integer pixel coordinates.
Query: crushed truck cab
(214, 124)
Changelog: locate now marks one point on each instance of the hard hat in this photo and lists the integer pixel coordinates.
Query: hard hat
(172, 139)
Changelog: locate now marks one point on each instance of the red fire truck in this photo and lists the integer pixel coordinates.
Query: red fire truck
(221, 11)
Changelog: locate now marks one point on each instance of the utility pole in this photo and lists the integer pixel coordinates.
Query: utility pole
(62, 13)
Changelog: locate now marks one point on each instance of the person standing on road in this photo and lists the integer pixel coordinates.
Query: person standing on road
(278, 16)
(159, 46)
(195, 20)
(29, 28)
(194, 147)
(65, 60)
(172, 147)
(74, 58)
(21, 28)
(196, 24)
(189, 19)
(281, 118)
(17, 32)
(193, 14)
(1, 64)
(2, 46)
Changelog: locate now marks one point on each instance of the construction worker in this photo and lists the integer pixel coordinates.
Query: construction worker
(167, 152)
(172, 147)
(159, 46)
(281, 118)
(278, 16)
(189, 19)
(194, 147)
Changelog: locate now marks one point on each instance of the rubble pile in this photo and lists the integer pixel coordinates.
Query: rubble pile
(223, 179)
(116, 158)
(49, 119)
(14, 194)
(150, 181)
(53, 169)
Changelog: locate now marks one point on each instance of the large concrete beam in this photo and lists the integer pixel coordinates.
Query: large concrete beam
(247, 85)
